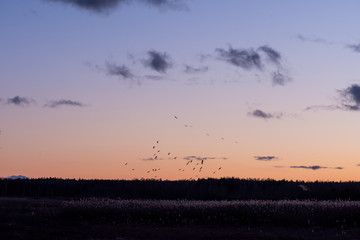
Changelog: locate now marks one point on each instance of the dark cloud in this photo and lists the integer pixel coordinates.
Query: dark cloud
(159, 62)
(261, 114)
(354, 47)
(279, 78)
(196, 158)
(93, 5)
(250, 59)
(272, 54)
(265, 158)
(58, 103)
(315, 167)
(190, 69)
(118, 70)
(101, 6)
(351, 97)
(244, 58)
(20, 101)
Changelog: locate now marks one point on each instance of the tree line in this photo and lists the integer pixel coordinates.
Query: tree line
(201, 189)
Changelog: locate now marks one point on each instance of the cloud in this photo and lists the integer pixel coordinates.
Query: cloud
(153, 159)
(63, 102)
(244, 58)
(20, 101)
(92, 5)
(261, 114)
(279, 78)
(103, 6)
(354, 47)
(190, 69)
(313, 39)
(250, 59)
(265, 158)
(157, 61)
(351, 97)
(273, 55)
(349, 100)
(314, 167)
(196, 158)
(118, 70)
(322, 107)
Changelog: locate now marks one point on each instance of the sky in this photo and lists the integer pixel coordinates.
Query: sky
(180, 89)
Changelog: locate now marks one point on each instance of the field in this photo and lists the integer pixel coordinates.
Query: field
(106, 218)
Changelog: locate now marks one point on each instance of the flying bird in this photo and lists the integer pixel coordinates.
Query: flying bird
(175, 117)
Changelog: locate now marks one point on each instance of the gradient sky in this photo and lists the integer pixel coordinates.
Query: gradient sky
(259, 88)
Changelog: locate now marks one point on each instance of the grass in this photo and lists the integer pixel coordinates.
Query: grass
(102, 218)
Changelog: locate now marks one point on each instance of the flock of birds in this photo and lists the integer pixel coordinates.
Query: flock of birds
(196, 165)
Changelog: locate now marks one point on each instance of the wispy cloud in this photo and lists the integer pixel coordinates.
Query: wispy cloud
(158, 61)
(312, 167)
(63, 102)
(104, 6)
(261, 114)
(118, 70)
(154, 159)
(354, 47)
(279, 78)
(313, 39)
(245, 58)
(265, 158)
(197, 158)
(20, 101)
(191, 69)
(273, 55)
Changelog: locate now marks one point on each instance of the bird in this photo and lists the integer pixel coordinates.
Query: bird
(175, 117)
(168, 153)
(202, 162)
(125, 164)
(153, 147)
(157, 141)
(219, 168)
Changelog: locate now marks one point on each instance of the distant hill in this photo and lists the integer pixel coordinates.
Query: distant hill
(17, 177)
